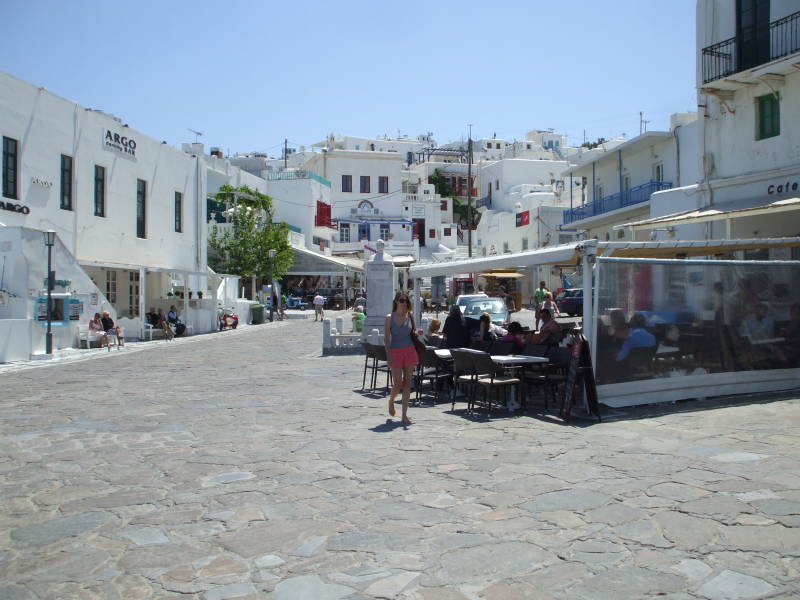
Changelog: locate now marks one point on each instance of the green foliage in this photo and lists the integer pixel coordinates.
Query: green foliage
(244, 250)
(440, 184)
(595, 144)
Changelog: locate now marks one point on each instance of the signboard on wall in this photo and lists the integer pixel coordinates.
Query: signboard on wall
(523, 218)
(418, 212)
(120, 143)
(75, 309)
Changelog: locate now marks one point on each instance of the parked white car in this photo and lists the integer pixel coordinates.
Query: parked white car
(465, 299)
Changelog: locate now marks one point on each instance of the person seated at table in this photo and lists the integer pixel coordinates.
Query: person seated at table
(358, 319)
(758, 325)
(96, 330)
(151, 316)
(549, 332)
(455, 332)
(433, 337)
(487, 331)
(633, 335)
(515, 335)
(111, 329)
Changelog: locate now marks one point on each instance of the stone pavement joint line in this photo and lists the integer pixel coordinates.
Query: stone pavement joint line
(248, 466)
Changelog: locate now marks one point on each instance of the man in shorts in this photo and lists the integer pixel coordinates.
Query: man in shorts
(319, 305)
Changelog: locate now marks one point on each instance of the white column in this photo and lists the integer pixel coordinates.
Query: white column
(142, 299)
(587, 264)
(417, 302)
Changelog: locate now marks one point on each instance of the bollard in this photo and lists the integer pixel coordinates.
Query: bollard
(326, 333)
(340, 324)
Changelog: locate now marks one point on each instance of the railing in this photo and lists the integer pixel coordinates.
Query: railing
(634, 195)
(296, 174)
(764, 44)
(485, 201)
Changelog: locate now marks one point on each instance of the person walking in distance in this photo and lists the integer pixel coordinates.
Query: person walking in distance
(538, 300)
(400, 350)
(319, 305)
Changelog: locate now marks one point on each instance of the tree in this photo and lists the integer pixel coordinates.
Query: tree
(591, 145)
(243, 249)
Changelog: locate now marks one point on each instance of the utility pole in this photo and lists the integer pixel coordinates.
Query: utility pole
(285, 152)
(469, 193)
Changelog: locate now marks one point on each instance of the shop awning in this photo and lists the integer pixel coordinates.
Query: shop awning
(308, 263)
(713, 214)
(685, 248)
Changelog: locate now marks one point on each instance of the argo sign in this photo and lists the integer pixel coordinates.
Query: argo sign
(17, 208)
(121, 143)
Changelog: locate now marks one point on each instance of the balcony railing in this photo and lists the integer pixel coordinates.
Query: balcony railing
(296, 174)
(635, 195)
(762, 45)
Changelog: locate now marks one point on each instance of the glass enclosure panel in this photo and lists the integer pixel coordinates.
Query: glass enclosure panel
(667, 318)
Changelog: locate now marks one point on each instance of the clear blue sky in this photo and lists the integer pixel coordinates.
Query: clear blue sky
(249, 73)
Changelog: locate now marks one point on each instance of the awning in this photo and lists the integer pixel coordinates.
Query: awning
(712, 214)
(132, 267)
(684, 248)
(502, 274)
(566, 254)
(309, 263)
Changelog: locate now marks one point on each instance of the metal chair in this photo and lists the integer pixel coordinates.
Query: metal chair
(431, 368)
(463, 374)
(491, 376)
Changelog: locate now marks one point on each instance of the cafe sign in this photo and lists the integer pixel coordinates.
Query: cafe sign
(785, 187)
(119, 143)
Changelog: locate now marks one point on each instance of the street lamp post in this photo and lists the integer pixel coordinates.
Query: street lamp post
(271, 286)
(49, 241)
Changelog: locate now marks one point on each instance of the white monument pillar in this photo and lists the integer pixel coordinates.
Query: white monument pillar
(381, 283)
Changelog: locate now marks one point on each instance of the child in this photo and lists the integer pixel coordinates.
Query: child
(358, 319)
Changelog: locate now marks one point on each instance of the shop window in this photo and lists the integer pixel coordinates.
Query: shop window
(347, 183)
(768, 117)
(384, 231)
(111, 286)
(133, 293)
(9, 167)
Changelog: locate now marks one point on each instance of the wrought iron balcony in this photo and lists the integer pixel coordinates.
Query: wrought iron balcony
(635, 195)
(761, 45)
(485, 201)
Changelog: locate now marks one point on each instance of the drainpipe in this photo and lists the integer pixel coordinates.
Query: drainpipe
(678, 156)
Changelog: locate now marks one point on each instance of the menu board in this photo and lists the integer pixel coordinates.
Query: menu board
(579, 370)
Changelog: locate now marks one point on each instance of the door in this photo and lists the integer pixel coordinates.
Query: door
(419, 231)
(752, 33)
(363, 231)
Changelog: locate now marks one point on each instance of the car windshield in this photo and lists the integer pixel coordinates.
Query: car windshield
(488, 305)
(464, 300)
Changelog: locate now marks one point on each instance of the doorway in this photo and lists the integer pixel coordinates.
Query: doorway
(419, 231)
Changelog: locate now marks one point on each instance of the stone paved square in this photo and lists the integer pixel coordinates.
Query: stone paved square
(244, 465)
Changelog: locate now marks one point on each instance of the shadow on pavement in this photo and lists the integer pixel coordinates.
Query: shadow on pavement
(388, 427)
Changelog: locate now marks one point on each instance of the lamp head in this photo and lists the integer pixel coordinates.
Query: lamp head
(49, 237)
(272, 252)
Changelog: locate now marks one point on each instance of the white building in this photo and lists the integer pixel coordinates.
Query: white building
(748, 160)
(129, 212)
(617, 179)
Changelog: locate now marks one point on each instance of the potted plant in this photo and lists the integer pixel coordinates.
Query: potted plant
(199, 295)
(169, 294)
(190, 294)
